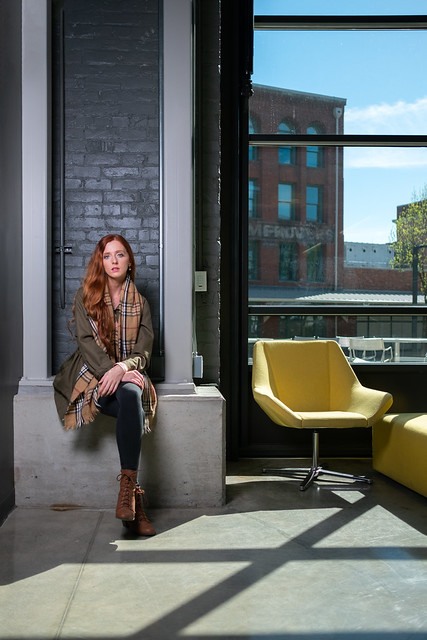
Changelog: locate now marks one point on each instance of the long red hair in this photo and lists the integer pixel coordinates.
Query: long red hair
(94, 287)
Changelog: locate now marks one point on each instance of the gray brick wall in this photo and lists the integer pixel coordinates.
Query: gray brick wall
(112, 154)
(111, 144)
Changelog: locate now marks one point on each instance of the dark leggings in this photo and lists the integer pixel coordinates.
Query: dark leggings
(125, 405)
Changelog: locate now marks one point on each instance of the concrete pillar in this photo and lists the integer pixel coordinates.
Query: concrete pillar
(178, 219)
(36, 190)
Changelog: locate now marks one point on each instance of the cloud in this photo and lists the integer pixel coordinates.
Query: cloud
(384, 157)
(399, 118)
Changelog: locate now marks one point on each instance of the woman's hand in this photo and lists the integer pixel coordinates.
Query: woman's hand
(135, 377)
(110, 381)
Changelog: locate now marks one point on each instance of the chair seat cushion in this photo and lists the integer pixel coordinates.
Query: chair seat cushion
(399, 448)
(331, 419)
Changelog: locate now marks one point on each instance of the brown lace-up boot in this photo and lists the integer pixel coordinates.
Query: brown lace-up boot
(141, 526)
(125, 509)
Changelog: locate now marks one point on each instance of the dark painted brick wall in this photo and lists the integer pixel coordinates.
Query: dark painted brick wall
(111, 144)
(208, 251)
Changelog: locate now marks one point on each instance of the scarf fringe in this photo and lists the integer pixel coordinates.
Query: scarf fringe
(88, 415)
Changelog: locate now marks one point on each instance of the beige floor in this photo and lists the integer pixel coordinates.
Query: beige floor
(335, 562)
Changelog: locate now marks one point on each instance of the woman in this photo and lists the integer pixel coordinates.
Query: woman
(107, 372)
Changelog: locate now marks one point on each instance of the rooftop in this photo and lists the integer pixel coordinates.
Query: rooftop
(300, 94)
(283, 295)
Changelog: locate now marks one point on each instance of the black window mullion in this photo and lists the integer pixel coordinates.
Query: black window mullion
(339, 309)
(339, 23)
(340, 140)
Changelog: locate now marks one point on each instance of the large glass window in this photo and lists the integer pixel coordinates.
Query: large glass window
(365, 180)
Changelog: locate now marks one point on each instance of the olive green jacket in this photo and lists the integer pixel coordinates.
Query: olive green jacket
(97, 361)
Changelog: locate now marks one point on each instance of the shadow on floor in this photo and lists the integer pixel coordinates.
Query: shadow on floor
(256, 564)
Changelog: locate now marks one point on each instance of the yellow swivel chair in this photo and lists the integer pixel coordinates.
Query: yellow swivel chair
(310, 385)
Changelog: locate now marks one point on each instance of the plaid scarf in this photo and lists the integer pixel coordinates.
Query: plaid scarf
(83, 402)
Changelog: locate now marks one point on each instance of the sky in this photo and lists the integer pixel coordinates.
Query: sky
(381, 76)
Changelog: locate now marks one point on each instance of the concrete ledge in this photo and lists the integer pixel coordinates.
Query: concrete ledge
(182, 462)
(399, 448)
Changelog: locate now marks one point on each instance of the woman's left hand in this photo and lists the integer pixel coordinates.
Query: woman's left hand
(110, 381)
(135, 377)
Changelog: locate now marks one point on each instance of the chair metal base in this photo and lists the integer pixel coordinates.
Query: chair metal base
(316, 470)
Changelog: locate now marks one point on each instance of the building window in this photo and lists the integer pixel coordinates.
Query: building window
(253, 151)
(313, 204)
(288, 262)
(253, 198)
(286, 201)
(253, 260)
(315, 263)
(287, 155)
(314, 154)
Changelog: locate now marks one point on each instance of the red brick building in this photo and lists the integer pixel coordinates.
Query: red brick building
(295, 194)
(296, 241)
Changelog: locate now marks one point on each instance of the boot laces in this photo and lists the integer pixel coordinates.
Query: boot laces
(127, 488)
(141, 500)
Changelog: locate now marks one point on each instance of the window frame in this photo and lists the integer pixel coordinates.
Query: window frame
(337, 140)
(237, 22)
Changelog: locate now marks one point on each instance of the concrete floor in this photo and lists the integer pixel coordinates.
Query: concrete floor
(342, 562)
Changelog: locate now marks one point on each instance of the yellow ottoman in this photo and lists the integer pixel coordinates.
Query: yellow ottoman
(399, 448)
